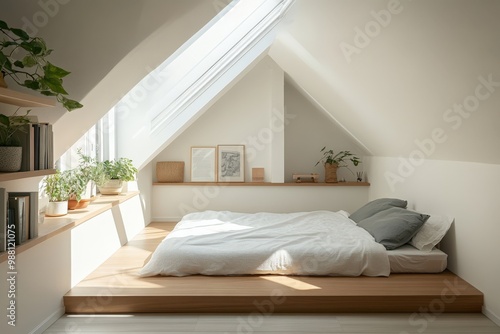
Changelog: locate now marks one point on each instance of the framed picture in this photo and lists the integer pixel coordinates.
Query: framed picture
(231, 163)
(203, 164)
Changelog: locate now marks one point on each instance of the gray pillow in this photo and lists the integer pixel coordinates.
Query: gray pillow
(394, 227)
(371, 208)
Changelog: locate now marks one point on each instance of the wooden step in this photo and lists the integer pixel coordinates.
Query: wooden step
(115, 288)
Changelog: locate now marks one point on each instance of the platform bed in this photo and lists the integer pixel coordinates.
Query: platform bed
(115, 287)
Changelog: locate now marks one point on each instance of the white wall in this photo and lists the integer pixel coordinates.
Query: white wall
(464, 190)
(48, 270)
(308, 129)
(244, 115)
(390, 77)
(43, 277)
(252, 113)
(145, 186)
(171, 202)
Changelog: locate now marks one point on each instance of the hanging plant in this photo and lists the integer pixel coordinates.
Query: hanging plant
(23, 59)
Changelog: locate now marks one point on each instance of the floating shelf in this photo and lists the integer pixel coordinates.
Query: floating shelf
(266, 184)
(23, 175)
(19, 99)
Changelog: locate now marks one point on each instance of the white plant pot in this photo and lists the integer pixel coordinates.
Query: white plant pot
(57, 209)
(112, 187)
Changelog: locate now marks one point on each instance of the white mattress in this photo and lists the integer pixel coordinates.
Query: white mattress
(408, 259)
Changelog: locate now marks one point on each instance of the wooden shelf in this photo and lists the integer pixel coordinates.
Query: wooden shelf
(266, 184)
(19, 99)
(23, 175)
(53, 226)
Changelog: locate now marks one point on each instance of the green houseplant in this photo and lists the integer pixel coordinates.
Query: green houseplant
(108, 175)
(10, 149)
(23, 59)
(56, 187)
(78, 183)
(116, 172)
(9, 127)
(332, 161)
(122, 169)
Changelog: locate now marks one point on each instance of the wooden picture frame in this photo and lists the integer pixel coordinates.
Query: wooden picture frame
(203, 164)
(231, 163)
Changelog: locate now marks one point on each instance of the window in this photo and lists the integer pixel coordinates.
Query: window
(99, 142)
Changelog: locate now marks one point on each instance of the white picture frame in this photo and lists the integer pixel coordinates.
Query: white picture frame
(203, 164)
(231, 163)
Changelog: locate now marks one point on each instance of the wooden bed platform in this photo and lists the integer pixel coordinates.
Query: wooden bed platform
(114, 287)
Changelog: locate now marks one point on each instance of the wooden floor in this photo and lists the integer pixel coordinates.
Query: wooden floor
(115, 288)
(400, 323)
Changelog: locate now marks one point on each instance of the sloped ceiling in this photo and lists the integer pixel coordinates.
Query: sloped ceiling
(392, 73)
(99, 42)
(395, 74)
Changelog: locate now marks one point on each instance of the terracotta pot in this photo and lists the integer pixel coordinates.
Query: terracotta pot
(331, 173)
(73, 204)
(11, 158)
(84, 202)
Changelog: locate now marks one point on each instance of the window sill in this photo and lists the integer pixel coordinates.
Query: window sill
(53, 226)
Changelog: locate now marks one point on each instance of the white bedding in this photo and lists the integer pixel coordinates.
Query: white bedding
(408, 259)
(303, 243)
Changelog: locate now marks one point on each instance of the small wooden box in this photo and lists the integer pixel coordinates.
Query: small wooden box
(170, 171)
(311, 178)
(257, 174)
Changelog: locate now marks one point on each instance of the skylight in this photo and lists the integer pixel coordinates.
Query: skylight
(172, 94)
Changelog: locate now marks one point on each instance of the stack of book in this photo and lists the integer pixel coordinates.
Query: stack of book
(18, 217)
(36, 140)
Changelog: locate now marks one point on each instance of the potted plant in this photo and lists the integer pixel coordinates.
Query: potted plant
(23, 60)
(56, 186)
(332, 161)
(10, 149)
(108, 175)
(116, 172)
(77, 183)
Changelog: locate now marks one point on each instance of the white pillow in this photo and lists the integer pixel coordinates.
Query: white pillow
(343, 213)
(431, 233)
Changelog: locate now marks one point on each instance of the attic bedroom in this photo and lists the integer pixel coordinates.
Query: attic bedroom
(415, 99)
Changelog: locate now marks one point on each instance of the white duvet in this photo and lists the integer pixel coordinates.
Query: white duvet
(303, 243)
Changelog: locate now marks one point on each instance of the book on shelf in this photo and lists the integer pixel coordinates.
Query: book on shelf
(50, 147)
(36, 139)
(20, 208)
(36, 154)
(3, 219)
(43, 146)
(32, 214)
